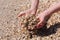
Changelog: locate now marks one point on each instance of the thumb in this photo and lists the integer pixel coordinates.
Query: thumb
(20, 14)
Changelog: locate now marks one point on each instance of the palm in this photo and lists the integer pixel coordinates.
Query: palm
(42, 21)
(29, 11)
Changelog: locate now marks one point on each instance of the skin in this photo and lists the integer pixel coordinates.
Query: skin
(42, 16)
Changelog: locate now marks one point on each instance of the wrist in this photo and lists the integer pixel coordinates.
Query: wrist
(45, 13)
(51, 9)
(58, 5)
(34, 10)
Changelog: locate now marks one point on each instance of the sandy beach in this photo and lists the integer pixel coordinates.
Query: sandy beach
(9, 23)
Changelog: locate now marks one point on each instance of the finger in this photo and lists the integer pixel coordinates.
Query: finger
(21, 14)
(38, 24)
(41, 20)
(37, 18)
(33, 13)
(41, 24)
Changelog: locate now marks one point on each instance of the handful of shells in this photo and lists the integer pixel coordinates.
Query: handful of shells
(29, 22)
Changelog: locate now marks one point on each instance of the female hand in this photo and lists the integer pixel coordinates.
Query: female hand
(42, 20)
(31, 11)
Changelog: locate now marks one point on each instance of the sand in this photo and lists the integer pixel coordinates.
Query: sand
(9, 23)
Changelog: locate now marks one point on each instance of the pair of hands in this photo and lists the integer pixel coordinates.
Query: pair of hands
(40, 16)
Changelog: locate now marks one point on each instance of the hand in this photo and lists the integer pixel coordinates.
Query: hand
(31, 11)
(42, 18)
